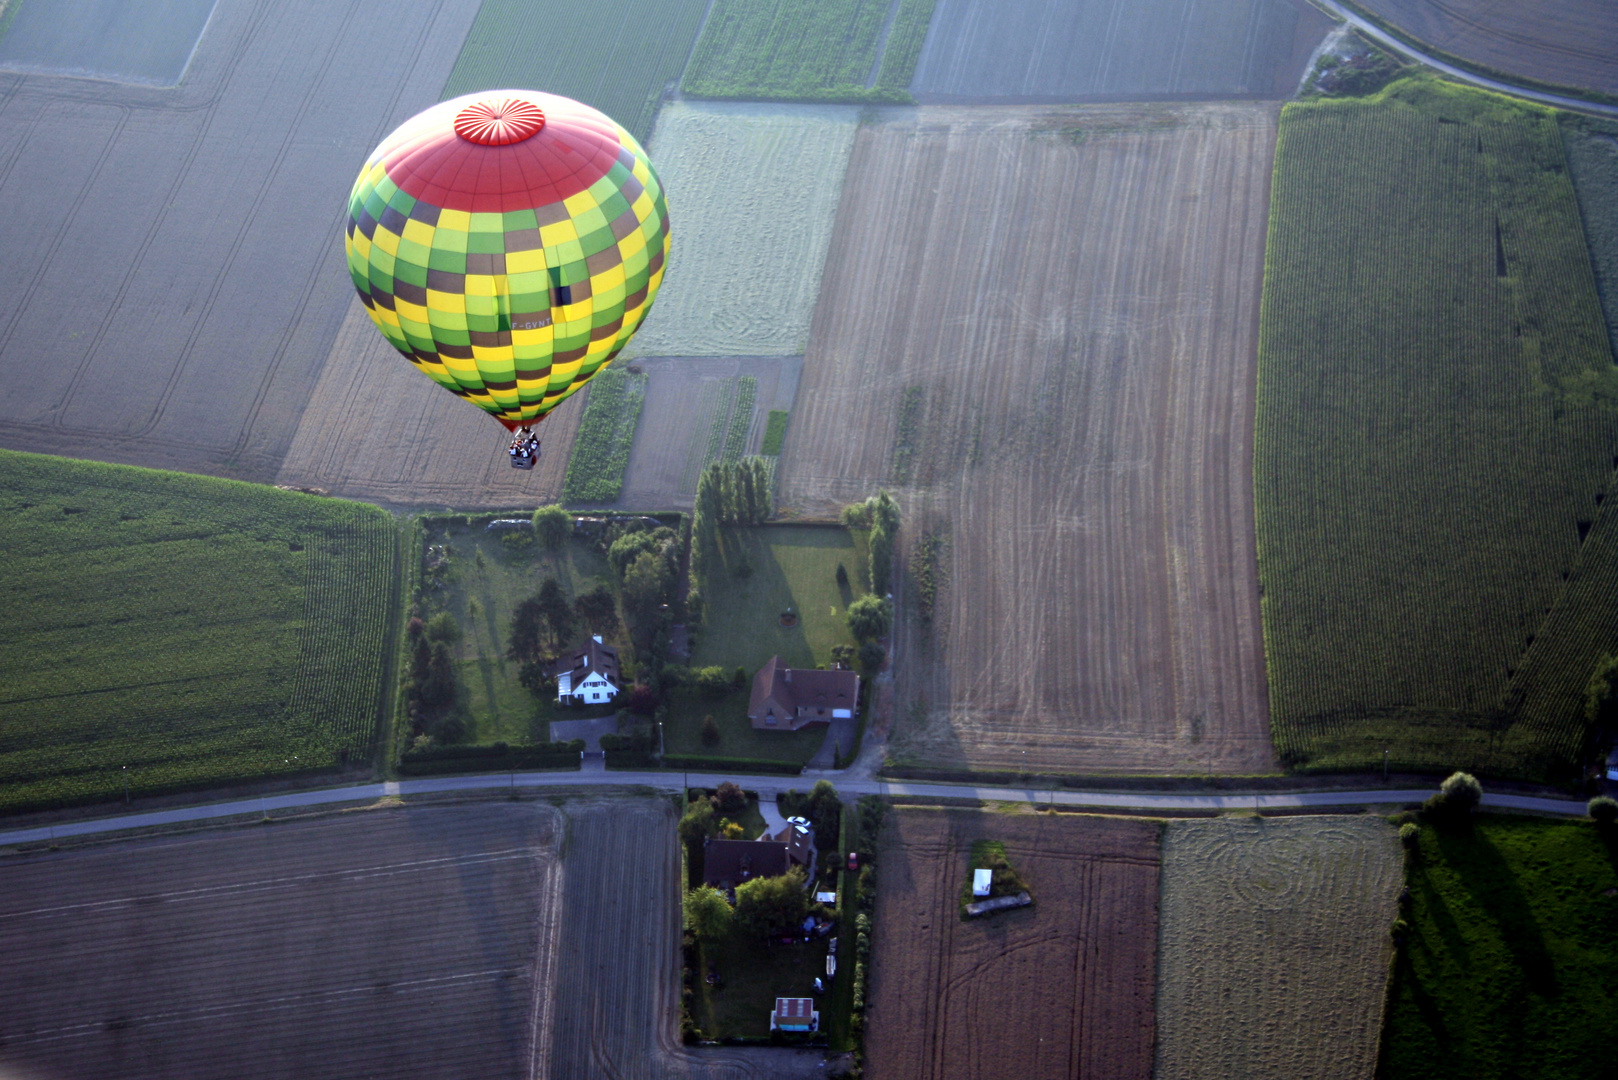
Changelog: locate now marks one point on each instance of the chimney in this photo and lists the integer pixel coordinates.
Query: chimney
(787, 674)
(597, 637)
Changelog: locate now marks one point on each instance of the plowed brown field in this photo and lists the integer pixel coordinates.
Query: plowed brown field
(389, 943)
(1061, 989)
(1275, 947)
(1043, 322)
(1566, 42)
(378, 429)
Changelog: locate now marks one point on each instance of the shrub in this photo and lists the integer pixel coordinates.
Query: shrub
(773, 905)
(710, 731)
(697, 824)
(551, 526)
(443, 627)
(1603, 809)
(1409, 834)
(642, 700)
(729, 799)
(712, 682)
(872, 656)
(1462, 790)
(707, 912)
(870, 617)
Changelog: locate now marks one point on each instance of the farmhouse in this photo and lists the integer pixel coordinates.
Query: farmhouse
(588, 676)
(786, 699)
(728, 863)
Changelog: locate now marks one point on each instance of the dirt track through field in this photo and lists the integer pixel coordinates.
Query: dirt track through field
(378, 429)
(400, 942)
(618, 976)
(1063, 302)
(1274, 948)
(1063, 988)
(175, 271)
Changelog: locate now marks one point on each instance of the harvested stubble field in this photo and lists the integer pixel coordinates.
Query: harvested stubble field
(617, 55)
(1062, 988)
(1070, 295)
(406, 942)
(621, 900)
(376, 429)
(1273, 952)
(752, 193)
(1571, 43)
(132, 46)
(1436, 436)
(176, 263)
(168, 631)
(1101, 50)
(686, 399)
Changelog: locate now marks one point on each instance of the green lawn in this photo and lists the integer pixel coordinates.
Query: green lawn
(485, 582)
(682, 731)
(753, 974)
(181, 631)
(763, 571)
(1512, 960)
(1435, 432)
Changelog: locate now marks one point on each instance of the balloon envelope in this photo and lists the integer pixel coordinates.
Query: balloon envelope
(508, 243)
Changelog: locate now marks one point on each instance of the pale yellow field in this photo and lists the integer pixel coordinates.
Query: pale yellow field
(1274, 947)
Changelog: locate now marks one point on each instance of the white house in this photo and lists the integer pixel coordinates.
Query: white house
(588, 676)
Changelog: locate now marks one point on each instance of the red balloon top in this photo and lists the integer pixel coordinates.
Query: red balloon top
(499, 123)
(502, 150)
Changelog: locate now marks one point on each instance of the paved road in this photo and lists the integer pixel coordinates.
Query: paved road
(672, 781)
(1382, 37)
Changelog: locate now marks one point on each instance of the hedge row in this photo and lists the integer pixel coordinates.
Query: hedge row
(493, 757)
(731, 764)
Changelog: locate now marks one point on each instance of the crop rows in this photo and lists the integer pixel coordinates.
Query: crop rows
(793, 50)
(595, 473)
(903, 47)
(725, 395)
(1592, 157)
(175, 631)
(617, 55)
(1436, 432)
(741, 418)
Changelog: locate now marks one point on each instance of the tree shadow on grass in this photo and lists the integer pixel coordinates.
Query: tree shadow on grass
(1492, 884)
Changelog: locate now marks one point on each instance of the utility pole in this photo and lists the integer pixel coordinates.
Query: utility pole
(1384, 765)
(126, 784)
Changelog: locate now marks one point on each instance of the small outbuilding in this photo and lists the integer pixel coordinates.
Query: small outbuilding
(795, 1014)
(982, 881)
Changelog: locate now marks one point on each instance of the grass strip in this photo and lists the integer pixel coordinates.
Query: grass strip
(595, 472)
(775, 433)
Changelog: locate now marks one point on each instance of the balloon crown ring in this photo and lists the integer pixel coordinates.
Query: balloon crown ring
(499, 122)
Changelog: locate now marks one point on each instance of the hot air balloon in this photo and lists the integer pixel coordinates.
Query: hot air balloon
(508, 243)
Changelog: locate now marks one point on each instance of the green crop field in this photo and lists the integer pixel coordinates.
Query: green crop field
(1437, 431)
(182, 630)
(1592, 155)
(808, 50)
(595, 472)
(1511, 956)
(617, 55)
(775, 433)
